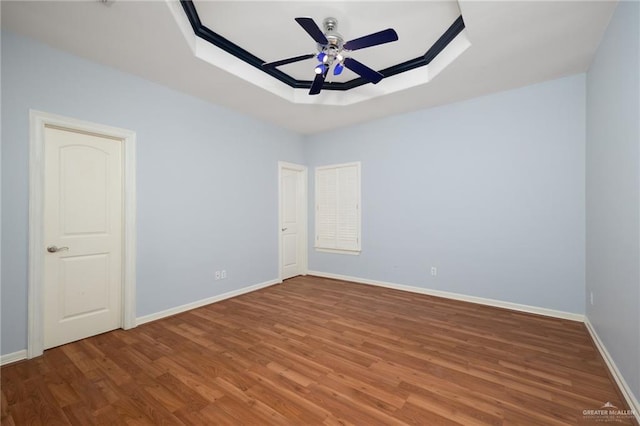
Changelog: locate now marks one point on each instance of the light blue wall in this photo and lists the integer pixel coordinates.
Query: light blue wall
(613, 191)
(206, 179)
(490, 191)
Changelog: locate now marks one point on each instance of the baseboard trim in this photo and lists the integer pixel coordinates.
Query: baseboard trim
(617, 376)
(455, 296)
(13, 357)
(198, 303)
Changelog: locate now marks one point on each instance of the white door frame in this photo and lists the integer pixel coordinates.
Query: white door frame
(37, 121)
(303, 216)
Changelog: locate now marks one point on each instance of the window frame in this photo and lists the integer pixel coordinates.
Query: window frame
(356, 211)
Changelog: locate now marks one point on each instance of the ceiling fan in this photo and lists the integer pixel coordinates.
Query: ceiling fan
(332, 49)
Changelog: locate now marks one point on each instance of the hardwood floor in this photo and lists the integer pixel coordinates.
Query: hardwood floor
(317, 351)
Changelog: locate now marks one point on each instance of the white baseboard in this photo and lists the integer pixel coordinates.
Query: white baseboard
(198, 303)
(456, 296)
(13, 357)
(622, 383)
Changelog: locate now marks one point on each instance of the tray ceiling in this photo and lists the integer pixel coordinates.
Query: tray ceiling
(238, 28)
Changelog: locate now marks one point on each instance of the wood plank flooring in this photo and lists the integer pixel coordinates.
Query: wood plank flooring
(314, 351)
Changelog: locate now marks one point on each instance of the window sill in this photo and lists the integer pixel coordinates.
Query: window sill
(338, 251)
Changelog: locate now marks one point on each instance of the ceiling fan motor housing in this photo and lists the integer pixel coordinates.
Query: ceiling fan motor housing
(335, 40)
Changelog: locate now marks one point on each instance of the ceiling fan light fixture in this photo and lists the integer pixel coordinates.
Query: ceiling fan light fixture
(323, 57)
(337, 70)
(321, 69)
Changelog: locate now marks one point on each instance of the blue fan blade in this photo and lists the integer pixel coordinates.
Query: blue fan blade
(381, 37)
(363, 70)
(316, 87)
(312, 29)
(288, 61)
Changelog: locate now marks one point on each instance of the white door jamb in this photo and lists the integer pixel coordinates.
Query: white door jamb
(303, 216)
(37, 121)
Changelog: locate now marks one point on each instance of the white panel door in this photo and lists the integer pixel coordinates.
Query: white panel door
(291, 187)
(83, 235)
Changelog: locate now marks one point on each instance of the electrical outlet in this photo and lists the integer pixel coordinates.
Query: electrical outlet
(217, 275)
(223, 274)
(591, 297)
(434, 271)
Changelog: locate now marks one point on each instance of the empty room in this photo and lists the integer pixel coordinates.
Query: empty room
(320, 213)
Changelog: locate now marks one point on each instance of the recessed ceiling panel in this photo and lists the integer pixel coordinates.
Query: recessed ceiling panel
(264, 32)
(268, 29)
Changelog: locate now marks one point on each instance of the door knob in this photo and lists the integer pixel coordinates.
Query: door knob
(284, 229)
(53, 249)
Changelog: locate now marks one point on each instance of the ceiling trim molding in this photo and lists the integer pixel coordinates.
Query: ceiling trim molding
(205, 33)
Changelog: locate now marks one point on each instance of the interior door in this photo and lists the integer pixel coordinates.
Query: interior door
(83, 208)
(291, 222)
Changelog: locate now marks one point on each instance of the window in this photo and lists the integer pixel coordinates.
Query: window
(338, 208)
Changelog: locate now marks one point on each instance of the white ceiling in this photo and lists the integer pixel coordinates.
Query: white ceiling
(513, 44)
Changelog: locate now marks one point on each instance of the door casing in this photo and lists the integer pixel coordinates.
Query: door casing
(38, 121)
(302, 249)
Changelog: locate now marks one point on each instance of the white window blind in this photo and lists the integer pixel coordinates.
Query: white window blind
(338, 208)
